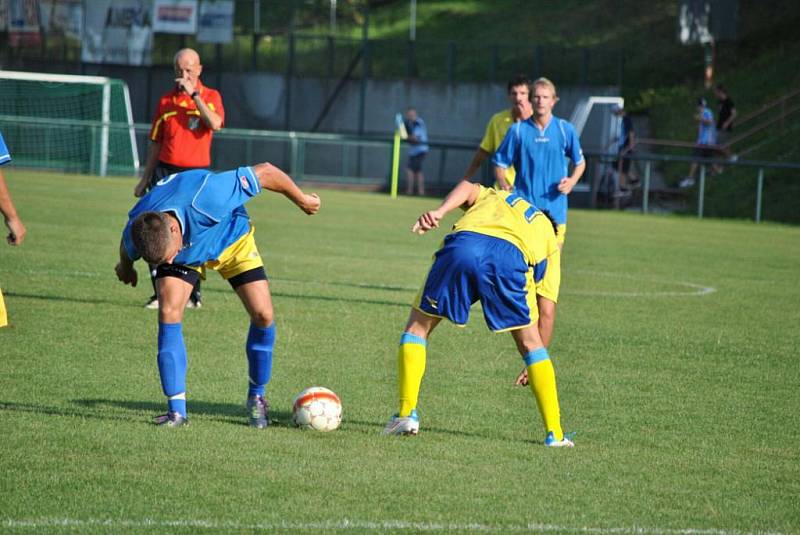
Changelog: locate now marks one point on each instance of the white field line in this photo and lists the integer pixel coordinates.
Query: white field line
(347, 525)
(695, 290)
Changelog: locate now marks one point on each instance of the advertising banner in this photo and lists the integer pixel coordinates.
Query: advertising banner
(175, 16)
(215, 24)
(118, 31)
(62, 17)
(23, 23)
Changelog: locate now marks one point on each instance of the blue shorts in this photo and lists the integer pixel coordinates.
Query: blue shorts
(415, 162)
(471, 267)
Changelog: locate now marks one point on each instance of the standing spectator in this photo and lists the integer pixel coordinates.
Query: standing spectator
(519, 97)
(180, 138)
(725, 116)
(16, 230)
(418, 138)
(538, 149)
(706, 139)
(625, 144)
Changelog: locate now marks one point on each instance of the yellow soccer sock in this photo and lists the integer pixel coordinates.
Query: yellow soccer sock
(3, 316)
(411, 357)
(542, 378)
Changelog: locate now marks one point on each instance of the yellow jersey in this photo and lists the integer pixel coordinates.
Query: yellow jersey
(508, 216)
(496, 130)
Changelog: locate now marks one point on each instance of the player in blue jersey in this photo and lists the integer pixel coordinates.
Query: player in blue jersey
(16, 230)
(196, 220)
(501, 252)
(538, 149)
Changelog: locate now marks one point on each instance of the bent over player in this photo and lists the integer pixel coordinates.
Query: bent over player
(197, 219)
(502, 252)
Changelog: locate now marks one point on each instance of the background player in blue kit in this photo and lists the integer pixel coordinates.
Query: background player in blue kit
(193, 219)
(538, 149)
(501, 252)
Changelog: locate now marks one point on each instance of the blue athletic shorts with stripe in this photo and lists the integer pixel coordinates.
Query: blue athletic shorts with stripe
(471, 267)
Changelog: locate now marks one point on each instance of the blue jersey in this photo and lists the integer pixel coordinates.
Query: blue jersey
(209, 207)
(5, 157)
(539, 157)
(418, 129)
(706, 133)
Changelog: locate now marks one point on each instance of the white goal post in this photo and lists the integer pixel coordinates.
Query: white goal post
(68, 122)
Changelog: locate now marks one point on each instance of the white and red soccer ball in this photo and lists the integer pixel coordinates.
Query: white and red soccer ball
(317, 408)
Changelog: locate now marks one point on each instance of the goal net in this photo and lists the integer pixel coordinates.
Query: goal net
(71, 123)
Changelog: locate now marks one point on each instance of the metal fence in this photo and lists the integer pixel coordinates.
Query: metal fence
(366, 163)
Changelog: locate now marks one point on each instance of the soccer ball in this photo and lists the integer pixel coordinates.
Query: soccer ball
(317, 408)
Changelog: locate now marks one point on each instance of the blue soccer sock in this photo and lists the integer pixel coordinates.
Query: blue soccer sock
(172, 365)
(260, 341)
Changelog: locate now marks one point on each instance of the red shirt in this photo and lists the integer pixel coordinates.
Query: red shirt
(185, 139)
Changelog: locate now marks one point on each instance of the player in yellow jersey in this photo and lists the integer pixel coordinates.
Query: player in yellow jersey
(503, 252)
(519, 92)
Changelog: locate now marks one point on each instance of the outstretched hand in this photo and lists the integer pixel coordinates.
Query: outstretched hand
(426, 222)
(311, 203)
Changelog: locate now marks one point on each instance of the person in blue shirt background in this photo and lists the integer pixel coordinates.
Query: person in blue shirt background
(196, 220)
(705, 146)
(418, 138)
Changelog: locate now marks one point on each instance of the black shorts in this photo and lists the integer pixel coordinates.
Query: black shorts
(704, 151)
(162, 170)
(191, 275)
(415, 162)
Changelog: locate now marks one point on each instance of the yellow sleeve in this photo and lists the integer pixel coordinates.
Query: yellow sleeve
(488, 142)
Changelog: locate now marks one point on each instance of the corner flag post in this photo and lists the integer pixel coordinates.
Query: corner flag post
(399, 133)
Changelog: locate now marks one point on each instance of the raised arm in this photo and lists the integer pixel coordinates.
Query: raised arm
(273, 179)
(465, 193)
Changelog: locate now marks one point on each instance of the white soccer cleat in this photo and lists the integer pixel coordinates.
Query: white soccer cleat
(551, 441)
(406, 425)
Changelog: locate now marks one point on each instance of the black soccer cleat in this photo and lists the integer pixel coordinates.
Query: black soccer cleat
(258, 411)
(171, 419)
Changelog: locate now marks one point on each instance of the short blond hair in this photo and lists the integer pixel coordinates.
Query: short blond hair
(546, 83)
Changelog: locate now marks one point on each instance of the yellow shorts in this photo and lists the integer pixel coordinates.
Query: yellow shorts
(550, 283)
(561, 234)
(242, 255)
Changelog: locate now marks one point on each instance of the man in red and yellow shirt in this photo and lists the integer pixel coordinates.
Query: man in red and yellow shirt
(180, 138)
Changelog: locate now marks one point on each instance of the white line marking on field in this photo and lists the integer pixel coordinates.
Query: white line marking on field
(346, 524)
(697, 290)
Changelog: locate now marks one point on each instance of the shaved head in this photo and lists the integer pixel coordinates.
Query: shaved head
(189, 54)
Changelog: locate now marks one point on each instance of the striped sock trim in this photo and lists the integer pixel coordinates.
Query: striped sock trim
(537, 355)
(409, 338)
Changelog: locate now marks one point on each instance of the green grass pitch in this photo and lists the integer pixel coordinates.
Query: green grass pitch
(676, 352)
